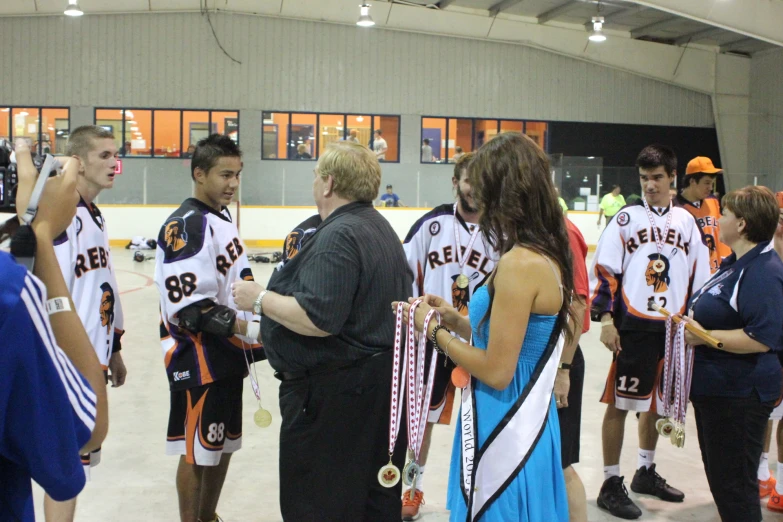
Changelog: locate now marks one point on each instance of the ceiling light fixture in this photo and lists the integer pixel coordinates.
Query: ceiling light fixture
(359, 119)
(365, 20)
(134, 129)
(596, 35)
(73, 9)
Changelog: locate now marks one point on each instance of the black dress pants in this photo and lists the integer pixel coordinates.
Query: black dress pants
(731, 437)
(333, 441)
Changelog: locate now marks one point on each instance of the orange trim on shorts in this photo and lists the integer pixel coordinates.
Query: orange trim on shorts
(448, 405)
(608, 396)
(205, 374)
(232, 436)
(192, 425)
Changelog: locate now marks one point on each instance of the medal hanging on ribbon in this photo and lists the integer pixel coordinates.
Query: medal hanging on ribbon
(460, 376)
(419, 396)
(677, 376)
(389, 475)
(262, 417)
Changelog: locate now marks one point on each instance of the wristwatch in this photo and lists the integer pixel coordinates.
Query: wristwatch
(564, 366)
(257, 303)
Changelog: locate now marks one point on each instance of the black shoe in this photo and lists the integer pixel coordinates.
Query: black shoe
(614, 498)
(647, 480)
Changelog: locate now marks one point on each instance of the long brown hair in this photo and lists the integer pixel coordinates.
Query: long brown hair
(517, 203)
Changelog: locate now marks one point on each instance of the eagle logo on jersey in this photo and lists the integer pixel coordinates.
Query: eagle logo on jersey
(657, 273)
(175, 235)
(107, 306)
(460, 297)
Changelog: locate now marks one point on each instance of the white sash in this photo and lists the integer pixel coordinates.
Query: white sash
(486, 475)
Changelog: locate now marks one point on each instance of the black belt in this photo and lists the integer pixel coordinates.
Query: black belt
(326, 368)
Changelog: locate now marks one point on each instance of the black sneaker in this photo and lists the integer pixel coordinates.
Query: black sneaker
(614, 498)
(648, 481)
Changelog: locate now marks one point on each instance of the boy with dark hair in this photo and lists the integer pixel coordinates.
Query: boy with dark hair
(199, 255)
(650, 249)
(696, 197)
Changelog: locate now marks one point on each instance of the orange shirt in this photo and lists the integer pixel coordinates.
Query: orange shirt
(707, 213)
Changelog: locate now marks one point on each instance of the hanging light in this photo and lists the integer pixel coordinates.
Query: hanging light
(73, 9)
(365, 20)
(596, 35)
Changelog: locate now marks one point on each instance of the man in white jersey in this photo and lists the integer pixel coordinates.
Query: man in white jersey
(199, 255)
(448, 256)
(650, 249)
(85, 260)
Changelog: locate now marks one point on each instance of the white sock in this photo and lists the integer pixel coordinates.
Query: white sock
(646, 458)
(779, 488)
(611, 471)
(764, 473)
(420, 480)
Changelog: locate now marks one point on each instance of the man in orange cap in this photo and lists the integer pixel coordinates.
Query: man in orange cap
(697, 199)
(769, 485)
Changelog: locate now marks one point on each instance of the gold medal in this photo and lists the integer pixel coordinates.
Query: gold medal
(262, 418)
(664, 427)
(658, 265)
(462, 281)
(389, 475)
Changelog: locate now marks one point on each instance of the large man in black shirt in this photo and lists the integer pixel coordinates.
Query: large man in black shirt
(328, 335)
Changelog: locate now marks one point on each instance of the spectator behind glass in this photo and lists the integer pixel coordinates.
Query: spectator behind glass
(50, 415)
(190, 151)
(301, 152)
(426, 151)
(353, 136)
(458, 153)
(735, 388)
(379, 145)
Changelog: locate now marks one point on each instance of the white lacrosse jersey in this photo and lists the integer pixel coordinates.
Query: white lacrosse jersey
(199, 255)
(431, 249)
(85, 260)
(627, 269)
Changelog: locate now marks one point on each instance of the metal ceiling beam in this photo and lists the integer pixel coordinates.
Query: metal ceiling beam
(698, 35)
(502, 6)
(558, 11)
(443, 4)
(624, 12)
(736, 44)
(647, 29)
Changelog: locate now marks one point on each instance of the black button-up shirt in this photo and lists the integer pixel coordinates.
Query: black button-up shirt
(345, 278)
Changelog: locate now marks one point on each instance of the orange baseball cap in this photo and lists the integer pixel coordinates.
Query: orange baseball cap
(701, 165)
(779, 197)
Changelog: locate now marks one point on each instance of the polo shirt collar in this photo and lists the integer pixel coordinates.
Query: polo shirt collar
(753, 253)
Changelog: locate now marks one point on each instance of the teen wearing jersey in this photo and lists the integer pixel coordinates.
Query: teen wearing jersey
(52, 399)
(431, 248)
(650, 249)
(85, 260)
(697, 199)
(199, 255)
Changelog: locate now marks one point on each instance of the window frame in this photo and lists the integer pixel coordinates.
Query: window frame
(122, 153)
(40, 109)
(317, 115)
(473, 132)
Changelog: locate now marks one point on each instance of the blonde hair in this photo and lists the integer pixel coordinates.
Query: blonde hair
(356, 171)
(82, 140)
(301, 148)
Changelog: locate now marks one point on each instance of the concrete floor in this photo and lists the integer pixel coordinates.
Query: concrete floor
(135, 480)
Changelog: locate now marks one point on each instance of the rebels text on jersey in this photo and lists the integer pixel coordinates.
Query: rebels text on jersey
(85, 261)
(430, 248)
(199, 255)
(628, 270)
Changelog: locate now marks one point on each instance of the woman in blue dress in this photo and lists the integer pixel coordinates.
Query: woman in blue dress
(506, 458)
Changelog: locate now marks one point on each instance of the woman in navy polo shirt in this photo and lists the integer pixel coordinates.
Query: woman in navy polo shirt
(734, 388)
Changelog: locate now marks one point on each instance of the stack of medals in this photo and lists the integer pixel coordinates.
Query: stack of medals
(412, 361)
(677, 372)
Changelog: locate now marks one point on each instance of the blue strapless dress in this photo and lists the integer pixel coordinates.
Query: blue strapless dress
(537, 493)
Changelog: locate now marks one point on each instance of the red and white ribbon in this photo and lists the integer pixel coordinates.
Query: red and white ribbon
(460, 258)
(677, 373)
(659, 240)
(397, 391)
(418, 399)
